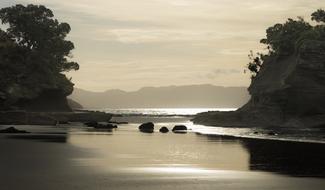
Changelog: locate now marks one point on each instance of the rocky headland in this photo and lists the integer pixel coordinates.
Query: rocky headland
(288, 85)
(286, 92)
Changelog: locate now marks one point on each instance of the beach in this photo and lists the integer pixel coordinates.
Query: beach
(77, 157)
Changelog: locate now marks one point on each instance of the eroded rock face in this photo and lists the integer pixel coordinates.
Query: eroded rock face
(294, 85)
(286, 88)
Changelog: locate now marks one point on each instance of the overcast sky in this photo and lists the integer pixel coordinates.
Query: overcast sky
(128, 44)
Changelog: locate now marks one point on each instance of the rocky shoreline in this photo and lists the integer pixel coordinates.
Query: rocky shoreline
(255, 119)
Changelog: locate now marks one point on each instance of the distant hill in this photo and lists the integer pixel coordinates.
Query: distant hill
(191, 96)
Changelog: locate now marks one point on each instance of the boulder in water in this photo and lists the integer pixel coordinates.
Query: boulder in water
(164, 130)
(179, 129)
(147, 127)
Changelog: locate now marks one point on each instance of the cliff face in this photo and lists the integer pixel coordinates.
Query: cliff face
(286, 90)
(295, 85)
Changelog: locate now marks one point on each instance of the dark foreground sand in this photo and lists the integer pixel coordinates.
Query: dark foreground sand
(63, 158)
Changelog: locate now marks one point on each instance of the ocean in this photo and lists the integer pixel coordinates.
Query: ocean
(163, 111)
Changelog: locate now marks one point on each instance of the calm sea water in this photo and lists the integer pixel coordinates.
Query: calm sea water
(163, 111)
(173, 116)
(78, 157)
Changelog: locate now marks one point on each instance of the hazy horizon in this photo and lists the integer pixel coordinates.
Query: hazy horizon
(189, 96)
(162, 86)
(131, 44)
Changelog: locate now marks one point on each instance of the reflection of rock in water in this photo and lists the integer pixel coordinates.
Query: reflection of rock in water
(293, 158)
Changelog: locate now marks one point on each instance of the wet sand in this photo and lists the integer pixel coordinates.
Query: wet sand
(80, 158)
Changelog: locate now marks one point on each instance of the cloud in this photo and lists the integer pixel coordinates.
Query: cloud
(226, 71)
(148, 35)
(221, 73)
(133, 43)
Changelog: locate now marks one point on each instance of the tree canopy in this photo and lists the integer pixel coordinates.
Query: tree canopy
(318, 16)
(33, 53)
(290, 38)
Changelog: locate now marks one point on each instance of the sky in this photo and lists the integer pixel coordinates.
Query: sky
(129, 44)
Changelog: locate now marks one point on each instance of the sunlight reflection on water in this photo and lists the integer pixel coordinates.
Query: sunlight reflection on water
(177, 170)
(164, 111)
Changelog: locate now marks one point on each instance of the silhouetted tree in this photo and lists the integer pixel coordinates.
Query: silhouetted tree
(33, 53)
(318, 16)
(290, 38)
(281, 38)
(255, 63)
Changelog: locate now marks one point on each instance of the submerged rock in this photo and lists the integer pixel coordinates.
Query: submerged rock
(12, 130)
(164, 130)
(179, 129)
(147, 127)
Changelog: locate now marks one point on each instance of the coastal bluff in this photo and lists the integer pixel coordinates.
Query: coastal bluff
(287, 91)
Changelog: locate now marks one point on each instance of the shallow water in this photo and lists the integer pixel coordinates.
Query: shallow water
(77, 157)
(198, 150)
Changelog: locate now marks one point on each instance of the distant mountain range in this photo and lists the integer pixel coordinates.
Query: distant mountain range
(191, 96)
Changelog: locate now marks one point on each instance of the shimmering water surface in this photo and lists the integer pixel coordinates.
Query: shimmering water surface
(163, 111)
(77, 157)
(197, 151)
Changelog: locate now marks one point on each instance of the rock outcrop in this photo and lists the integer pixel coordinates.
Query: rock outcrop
(147, 127)
(164, 130)
(287, 91)
(179, 129)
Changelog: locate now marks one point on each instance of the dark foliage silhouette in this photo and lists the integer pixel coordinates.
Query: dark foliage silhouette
(33, 54)
(290, 38)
